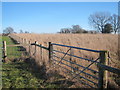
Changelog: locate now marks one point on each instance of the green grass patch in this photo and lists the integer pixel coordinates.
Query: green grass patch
(12, 51)
(21, 75)
(18, 75)
(8, 40)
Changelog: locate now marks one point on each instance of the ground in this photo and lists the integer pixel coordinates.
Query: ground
(18, 73)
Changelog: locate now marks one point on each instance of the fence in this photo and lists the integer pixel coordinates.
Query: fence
(12, 50)
(101, 76)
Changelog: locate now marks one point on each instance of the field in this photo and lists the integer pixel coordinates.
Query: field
(107, 42)
(91, 41)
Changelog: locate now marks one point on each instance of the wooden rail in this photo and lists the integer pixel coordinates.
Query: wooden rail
(40, 46)
(14, 45)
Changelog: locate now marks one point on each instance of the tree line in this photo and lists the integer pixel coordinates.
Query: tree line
(76, 29)
(102, 22)
(10, 30)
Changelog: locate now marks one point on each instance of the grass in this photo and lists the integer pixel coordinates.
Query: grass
(14, 51)
(21, 74)
(18, 75)
(8, 40)
(15, 76)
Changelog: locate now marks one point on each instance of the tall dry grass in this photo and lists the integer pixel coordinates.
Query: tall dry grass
(107, 42)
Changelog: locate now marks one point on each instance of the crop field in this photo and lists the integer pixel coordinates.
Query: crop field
(107, 42)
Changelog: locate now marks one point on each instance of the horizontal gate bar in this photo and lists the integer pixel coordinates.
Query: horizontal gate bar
(75, 73)
(79, 70)
(77, 79)
(77, 48)
(76, 56)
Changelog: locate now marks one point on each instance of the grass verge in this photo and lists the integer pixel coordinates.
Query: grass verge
(12, 51)
(21, 74)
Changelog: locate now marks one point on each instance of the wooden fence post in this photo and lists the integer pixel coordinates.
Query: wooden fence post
(41, 52)
(103, 75)
(50, 52)
(4, 51)
(30, 47)
(106, 72)
(24, 41)
(21, 40)
(35, 47)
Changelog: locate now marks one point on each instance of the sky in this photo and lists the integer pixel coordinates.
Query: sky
(50, 17)
(60, 0)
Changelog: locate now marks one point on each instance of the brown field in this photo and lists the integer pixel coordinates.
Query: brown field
(107, 42)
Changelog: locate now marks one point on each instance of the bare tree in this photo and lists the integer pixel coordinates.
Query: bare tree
(8, 30)
(21, 31)
(115, 21)
(26, 32)
(65, 30)
(108, 28)
(74, 29)
(77, 29)
(92, 32)
(99, 19)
